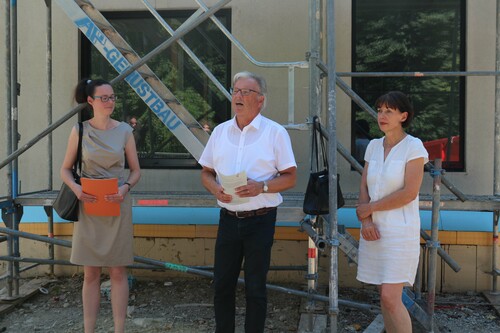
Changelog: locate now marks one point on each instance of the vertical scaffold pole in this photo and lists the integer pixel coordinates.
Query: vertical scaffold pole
(496, 181)
(14, 136)
(49, 121)
(314, 110)
(332, 163)
(496, 162)
(495, 270)
(8, 129)
(433, 243)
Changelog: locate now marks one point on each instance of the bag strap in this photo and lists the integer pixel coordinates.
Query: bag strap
(323, 146)
(315, 148)
(78, 163)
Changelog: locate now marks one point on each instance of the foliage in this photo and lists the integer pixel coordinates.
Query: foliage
(411, 36)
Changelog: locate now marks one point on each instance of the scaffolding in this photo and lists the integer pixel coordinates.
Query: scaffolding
(324, 232)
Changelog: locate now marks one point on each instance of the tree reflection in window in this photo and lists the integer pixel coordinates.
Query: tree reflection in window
(415, 36)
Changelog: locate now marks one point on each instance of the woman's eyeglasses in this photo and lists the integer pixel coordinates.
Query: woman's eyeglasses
(105, 99)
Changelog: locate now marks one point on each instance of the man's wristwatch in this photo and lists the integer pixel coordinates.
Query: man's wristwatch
(265, 188)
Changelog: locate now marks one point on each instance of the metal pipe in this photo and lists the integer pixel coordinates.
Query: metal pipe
(312, 281)
(186, 269)
(61, 262)
(28, 235)
(332, 165)
(50, 261)
(42, 134)
(300, 64)
(179, 33)
(419, 74)
(50, 222)
(433, 244)
(8, 91)
(496, 150)
(8, 141)
(291, 94)
(49, 89)
(271, 268)
(188, 51)
(494, 258)
(22, 269)
(314, 110)
(14, 269)
(442, 253)
(306, 226)
(417, 286)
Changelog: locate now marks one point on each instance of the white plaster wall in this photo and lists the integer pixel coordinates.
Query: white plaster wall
(480, 100)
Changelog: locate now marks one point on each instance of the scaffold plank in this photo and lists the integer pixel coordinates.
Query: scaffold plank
(494, 299)
(27, 290)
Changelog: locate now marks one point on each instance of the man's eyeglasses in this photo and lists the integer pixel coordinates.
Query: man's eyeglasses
(105, 99)
(244, 92)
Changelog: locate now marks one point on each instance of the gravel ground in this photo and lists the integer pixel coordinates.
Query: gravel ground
(185, 305)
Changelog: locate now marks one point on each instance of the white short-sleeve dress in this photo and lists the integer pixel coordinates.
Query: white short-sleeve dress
(394, 257)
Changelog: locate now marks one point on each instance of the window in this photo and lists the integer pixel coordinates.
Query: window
(414, 36)
(157, 147)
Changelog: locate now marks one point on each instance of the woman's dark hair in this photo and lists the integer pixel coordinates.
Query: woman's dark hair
(397, 100)
(86, 87)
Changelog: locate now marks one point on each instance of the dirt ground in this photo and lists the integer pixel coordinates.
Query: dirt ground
(185, 305)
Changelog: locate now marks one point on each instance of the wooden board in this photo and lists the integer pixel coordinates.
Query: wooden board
(494, 299)
(26, 290)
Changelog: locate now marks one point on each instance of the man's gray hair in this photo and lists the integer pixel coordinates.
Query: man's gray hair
(260, 81)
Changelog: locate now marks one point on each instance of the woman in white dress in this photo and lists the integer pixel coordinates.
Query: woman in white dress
(388, 209)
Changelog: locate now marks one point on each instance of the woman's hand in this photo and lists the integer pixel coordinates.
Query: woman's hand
(363, 211)
(118, 197)
(369, 230)
(82, 196)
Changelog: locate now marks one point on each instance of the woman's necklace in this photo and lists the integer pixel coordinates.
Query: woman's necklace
(389, 146)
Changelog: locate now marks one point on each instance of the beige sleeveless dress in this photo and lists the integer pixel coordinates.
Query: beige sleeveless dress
(104, 240)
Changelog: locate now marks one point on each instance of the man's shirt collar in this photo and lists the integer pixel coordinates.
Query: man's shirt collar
(256, 122)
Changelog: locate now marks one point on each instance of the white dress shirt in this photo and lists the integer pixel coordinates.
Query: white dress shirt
(262, 149)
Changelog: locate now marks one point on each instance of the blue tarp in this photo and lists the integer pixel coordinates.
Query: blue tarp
(448, 221)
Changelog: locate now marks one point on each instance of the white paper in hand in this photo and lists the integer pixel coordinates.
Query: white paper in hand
(229, 183)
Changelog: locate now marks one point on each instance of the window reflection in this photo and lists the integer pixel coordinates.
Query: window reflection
(412, 36)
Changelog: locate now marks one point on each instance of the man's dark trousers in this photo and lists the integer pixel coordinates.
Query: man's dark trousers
(237, 239)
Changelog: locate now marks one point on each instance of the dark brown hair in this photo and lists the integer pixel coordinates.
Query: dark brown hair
(397, 100)
(86, 87)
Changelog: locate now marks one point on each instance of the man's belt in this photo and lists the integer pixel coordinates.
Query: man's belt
(249, 213)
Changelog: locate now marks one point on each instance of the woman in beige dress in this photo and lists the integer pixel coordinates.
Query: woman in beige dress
(103, 241)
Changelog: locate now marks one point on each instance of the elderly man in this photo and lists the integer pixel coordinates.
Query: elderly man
(255, 146)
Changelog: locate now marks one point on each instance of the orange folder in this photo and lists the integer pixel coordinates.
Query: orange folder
(100, 188)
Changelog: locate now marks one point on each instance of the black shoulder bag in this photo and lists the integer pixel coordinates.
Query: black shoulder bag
(67, 204)
(316, 199)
